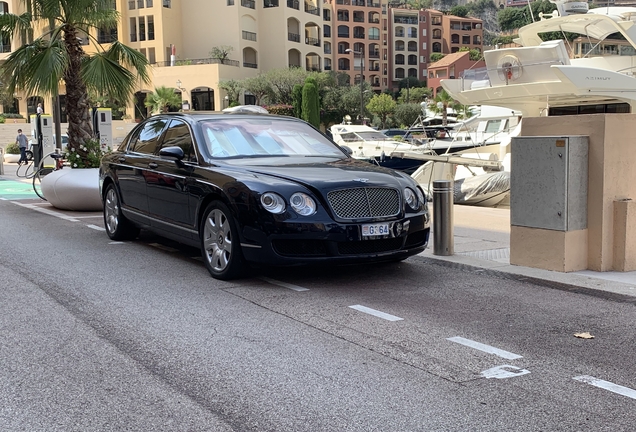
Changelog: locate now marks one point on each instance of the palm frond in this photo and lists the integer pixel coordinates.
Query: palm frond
(130, 58)
(35, 68)
(108, 77)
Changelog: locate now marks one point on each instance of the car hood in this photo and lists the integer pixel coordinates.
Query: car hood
(327, 175)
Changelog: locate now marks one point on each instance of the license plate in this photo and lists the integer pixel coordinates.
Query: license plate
(369, 230)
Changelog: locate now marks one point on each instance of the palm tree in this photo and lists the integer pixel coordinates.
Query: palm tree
(441, 102)
(162, 99)
(57, 55)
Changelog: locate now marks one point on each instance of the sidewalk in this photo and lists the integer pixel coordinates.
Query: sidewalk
(481, 239)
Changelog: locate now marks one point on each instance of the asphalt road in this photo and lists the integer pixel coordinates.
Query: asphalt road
(98, 335)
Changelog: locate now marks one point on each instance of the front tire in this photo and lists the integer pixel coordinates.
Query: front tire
(220, 245)
(117, 226)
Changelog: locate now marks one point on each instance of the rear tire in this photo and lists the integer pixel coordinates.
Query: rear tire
(118, 227)
(220, 245)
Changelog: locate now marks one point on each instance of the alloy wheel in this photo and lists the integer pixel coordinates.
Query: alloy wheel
(217, 240)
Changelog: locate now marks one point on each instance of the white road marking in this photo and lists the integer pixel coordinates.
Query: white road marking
(376, 313)
(48, 212)
(606, 385)
(4, 199)
(116, 242)
(95, 227)
(284, 284)
(504, 371)
(485, 348)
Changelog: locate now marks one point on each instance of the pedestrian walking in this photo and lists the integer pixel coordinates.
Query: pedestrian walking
(39, 109)
(22, 142)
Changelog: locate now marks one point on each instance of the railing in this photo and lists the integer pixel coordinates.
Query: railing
(374, 37)
(357, 19)
(193, 62)
(342, 17)
(314, 68)
(375, 84)
(374, 54)
(151, 35)
(133, 37)
(248, 4)
(405, 20)
(104, 38)
(373, 4)
(374, 21)
(399, 62)
(374, 68)
(343, 35)
(358, 36)
(5, 48)
(344, 2)
(399, 34)
(467, 28)
(412, 62)
(455, 27)
(250, 65)
(327, 67)
(249, 36)
(343, 68)
(293, 37)
(399, 48)
(294, 4)
(357, 2)
(309, 8)
(326, 33)
(326, 16)
(412, 49)
(327, 51)
(312, 41)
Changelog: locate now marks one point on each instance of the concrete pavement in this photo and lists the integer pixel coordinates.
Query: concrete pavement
(481, 240)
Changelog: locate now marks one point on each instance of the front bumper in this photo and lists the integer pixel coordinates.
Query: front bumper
(291, 243)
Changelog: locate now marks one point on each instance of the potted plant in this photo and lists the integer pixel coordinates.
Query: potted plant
(12, 153)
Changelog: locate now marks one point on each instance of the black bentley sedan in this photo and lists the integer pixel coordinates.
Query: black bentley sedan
(258, 189)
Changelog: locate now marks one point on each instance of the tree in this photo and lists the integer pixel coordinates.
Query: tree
(221, 52)
(283, 81)
(441, 103)
(459, 11)
(310, 107)
(258, 86)
(435, 57)
(297, 100)
(163, 99)
(474, 55)
(406, 114)
(233, 88)
(381, 105)
(512, 18)
(39, 66)
(416, 94)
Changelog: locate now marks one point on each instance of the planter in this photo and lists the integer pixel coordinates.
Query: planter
(11, 158)
(73, 189)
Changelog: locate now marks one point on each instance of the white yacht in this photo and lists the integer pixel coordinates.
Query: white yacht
(370, 144)
(595, 74)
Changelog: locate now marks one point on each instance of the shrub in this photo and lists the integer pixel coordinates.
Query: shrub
(12, 148)
(286, 110)
(12, 115)
(3, 119)
(87, 156)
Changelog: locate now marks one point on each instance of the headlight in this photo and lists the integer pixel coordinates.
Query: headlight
(420, 195)
(411, 198)
(273, 203)
(303, 204)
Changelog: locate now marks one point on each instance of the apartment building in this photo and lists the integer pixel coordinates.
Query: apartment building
(177, 36)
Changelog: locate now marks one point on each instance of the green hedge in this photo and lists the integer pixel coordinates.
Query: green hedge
(12, 148)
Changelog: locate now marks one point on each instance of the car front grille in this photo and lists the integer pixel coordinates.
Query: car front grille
(370, 246)
(364, 202)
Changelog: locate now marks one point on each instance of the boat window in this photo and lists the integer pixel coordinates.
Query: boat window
(493, 126)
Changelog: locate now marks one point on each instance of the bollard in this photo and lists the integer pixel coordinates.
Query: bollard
(443, 217)
(1, 161)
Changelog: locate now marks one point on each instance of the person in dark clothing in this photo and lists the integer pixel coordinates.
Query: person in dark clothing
(22, 142)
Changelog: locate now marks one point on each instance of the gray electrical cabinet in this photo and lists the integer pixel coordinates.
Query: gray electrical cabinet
(548, 182)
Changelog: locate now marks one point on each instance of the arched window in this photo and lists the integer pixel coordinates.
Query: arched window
(343, 31)
(437, 47)
(374, 33)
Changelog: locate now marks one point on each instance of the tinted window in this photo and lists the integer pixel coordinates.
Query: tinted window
(146, 142)
(178, 134)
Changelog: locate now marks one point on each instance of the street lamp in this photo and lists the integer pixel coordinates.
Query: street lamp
(361, 54)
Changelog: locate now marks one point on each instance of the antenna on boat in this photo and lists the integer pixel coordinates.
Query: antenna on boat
(531, 13)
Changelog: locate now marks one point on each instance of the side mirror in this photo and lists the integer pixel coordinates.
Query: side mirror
(173, 152)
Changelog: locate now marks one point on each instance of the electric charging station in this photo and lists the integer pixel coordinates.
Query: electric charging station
(43, 139)
(103, 127)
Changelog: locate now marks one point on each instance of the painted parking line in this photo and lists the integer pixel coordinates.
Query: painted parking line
(606, 385)
(47, 211)
(485, 348)
(97, 228)
(376, 313)
(284, 284)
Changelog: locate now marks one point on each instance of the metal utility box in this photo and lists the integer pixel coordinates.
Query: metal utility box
(548, 182)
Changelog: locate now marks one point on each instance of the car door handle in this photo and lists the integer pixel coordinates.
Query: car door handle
(153, 165)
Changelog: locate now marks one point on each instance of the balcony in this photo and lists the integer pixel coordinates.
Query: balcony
(194, 62)
(309, 8)
(455, 27)
(405, 20)
(294, 4)
(249, 36)
(466, 27)
(375, 84)
(343, 35)
(312, 41)
(343, 17)
(293, 37)
(374, 54)
(358, 36)
(358, 19)
(374, 68)
(357, 2)
(250, 65)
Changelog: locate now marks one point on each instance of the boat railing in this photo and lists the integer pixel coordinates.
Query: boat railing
(505, 75)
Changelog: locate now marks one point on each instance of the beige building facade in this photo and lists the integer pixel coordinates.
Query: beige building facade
(350, 36)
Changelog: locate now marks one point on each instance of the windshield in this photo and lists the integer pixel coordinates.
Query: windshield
(249, 137)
